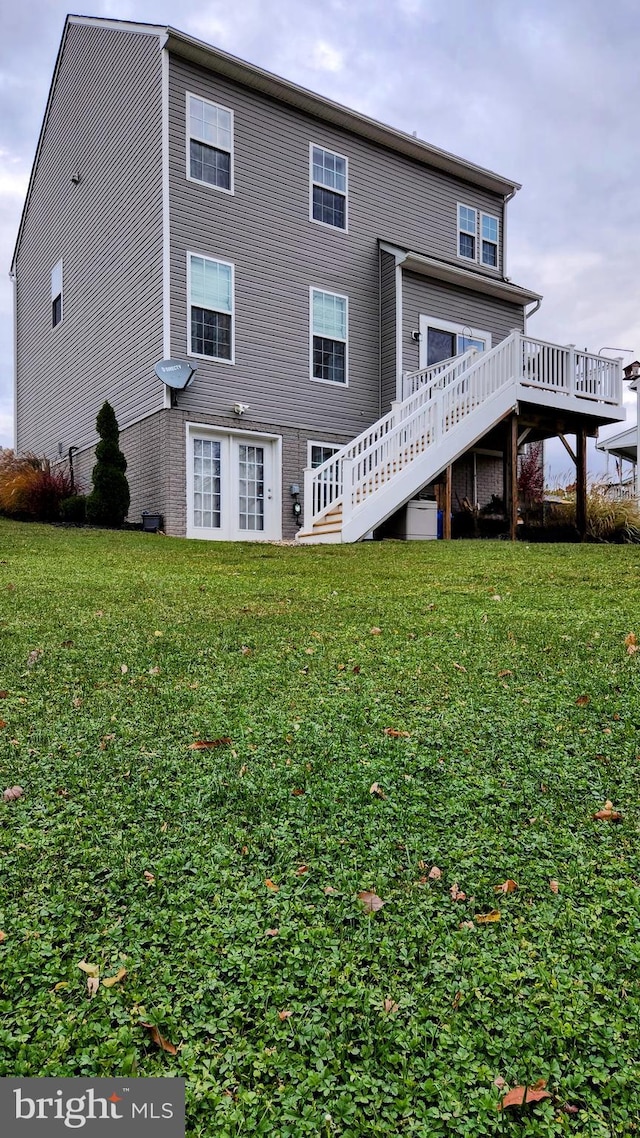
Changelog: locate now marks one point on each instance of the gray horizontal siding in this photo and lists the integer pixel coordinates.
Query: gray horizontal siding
(105, 123)
(388, 367)
(264, 228)
(423, 296)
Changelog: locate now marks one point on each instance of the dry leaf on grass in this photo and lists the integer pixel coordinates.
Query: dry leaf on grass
(285, 1014)
(583, 700)
(93, 984)
(34, 656)
(3, 723)
(149, 876)
(375, 631)
(370, 901)
(329, 890)
(301, 870)
(390, 1006)
(394, 733)
(3, 694)
(111, 980)
(466, 925)
(519, 1096)
(434, 873)
(3, 936)
(608, 814)
(456, 893)
(272, 885)
(12, 792)
(487, 918)
(272, 932)
(460, 667)
(205, 744)
(554, 887)
(124, 669)
(297, 791)
(631, 643)
(504, 672)
(508, 886)
(159, 1039)
(377, 790)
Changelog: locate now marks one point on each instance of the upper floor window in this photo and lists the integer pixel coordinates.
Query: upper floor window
(478, 236)
(210, 285)
(56, 294)
(210, 142)
(329, 316)
(328, 188)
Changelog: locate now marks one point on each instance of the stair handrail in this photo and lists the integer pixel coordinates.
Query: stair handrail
(323, 484)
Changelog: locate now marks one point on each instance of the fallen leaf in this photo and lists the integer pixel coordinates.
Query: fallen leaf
(377, 790)
(77, 702)
(34, 656)
(371, 902)
(455, 1003)
(60, 985)
(284, 1014)
(297, 791)
(106, 739)
(487, 918)
(631, 643)
(148, 876)
(435, 874)
(608, 814)
(164, 827)
(90, 969)
(504, 672)
(3, 936)
(554, 887)
(456, 894)
(356, 670)
(508, 886)
(394, 733)
(158, 633)
(583, 700)
(159, 1039)
(302, 869)
(272, 932)
(124, 669)
(204, 744)
(328, 889)
(67, 643)
(499, 1082)
(496, 597)
(4, 694)
(12, 792)
(154, 671)
(271, 885)
(93, 984)
(390, 1006)
(375, 631)
(521, 1095)
(466, 925)
(3, 723)
(62, 791)
(111, 980)
(246, 651)
(459, 667)
(568, 1109)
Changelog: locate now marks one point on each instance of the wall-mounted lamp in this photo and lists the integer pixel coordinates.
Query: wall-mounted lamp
(75, 178)
(416, 335)
(297, 508)
(240, 408)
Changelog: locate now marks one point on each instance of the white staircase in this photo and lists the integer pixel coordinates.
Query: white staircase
(446, 409)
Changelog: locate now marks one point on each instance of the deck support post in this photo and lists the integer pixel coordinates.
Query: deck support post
(512, 475)
(446, 504)
(581, 482)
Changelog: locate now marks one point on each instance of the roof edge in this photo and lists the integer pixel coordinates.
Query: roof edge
(249, 74)
(477, 282)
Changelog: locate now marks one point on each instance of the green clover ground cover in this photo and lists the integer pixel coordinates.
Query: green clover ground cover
(118, 650)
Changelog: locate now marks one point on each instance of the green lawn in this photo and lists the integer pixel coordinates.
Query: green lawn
(129, 849)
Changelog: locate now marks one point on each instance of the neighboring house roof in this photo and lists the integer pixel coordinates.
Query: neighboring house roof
(622, 445)
(286, 92)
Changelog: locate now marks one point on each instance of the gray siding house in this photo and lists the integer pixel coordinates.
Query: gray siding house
(322, 273)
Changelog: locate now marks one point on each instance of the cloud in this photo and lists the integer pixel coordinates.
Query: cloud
(324, 57)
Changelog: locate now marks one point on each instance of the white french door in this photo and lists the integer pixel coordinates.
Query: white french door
(233, 486)
(440, 340)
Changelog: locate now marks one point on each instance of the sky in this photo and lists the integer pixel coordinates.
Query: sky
(544, 92)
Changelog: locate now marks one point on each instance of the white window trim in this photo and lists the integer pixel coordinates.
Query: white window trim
(494, 217)
(427, 322)
(335, 447)
(60, 294)
(219, 261)
(211, 431)
(314, 379)
(189, 136)
(312, 183)
(477, 260)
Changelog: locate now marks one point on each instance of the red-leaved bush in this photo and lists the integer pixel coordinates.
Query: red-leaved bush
(30, 489)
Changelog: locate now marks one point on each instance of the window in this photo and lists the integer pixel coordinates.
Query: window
(328, 336)
(210, 142)
(210, 286)
(319, 453)
(56, 294)
(477, 244)
(441, 340)
(489, 240)
(328, 188)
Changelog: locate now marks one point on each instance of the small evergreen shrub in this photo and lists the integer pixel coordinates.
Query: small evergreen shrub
(108, 502)
(73, 510)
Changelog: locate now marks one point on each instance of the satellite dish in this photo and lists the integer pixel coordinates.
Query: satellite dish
(175, 373)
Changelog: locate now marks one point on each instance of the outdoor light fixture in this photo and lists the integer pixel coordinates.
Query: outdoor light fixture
(240, 408)
(416, 335)
(297, 508)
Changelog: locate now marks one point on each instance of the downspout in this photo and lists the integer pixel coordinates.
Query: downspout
(532, 312)
(505, 201)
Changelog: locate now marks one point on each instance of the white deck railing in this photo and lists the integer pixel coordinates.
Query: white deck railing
(439, 397)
